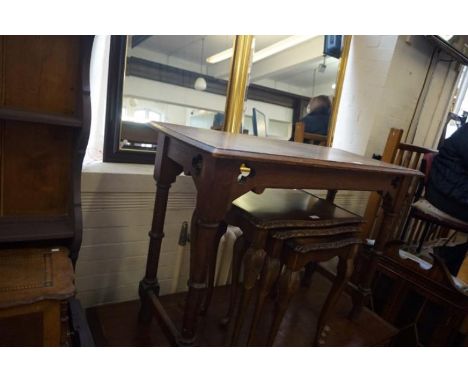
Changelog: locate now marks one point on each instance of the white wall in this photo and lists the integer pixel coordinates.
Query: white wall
(99, 68)
(117, 204)
(427, 130)
(405, 79)
(384, 79)
(368, 65)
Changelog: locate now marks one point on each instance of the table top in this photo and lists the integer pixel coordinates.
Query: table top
(240, 146)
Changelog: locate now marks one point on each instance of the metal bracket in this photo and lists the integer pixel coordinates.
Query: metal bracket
(245, 172)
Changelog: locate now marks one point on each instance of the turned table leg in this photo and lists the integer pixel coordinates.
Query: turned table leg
(166, 172)
(344, 272)
(240, 247)
(212, 269)
(253, 262)
(268, 277)
(288, 285)
(203, 248)
(392, 205)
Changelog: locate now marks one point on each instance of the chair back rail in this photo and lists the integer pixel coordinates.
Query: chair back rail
(303, 137)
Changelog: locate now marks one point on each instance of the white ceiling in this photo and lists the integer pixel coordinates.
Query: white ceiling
(297, 77)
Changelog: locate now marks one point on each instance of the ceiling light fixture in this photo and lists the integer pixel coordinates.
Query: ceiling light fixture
(221, 56)
(279, 46)
(200, 82)
(271, 50)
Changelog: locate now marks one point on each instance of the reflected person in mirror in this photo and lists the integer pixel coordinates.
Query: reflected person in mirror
(318, 115)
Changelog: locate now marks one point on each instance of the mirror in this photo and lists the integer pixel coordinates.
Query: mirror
(297, 65)
(183, 80)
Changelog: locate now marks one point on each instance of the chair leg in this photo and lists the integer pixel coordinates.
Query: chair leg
(212, 270)
(253, 263)
(288, 285)
(240, 247)
(268, 277)
(344, 272)
(51, 324)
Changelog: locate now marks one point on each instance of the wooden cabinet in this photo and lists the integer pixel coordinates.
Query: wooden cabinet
(44, 128)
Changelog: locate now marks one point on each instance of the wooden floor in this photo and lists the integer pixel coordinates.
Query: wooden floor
(117, 324)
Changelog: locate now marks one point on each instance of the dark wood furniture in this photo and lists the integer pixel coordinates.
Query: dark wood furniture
(425, 221)
(422, 299)
(35, 284)
(302, 137)
(401, 154)
(342, 242)
(225, 166)
(427, 304)
(44, 127)
(267, 221)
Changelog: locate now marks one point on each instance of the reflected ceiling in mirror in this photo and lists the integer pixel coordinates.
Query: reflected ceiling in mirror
(299, 70)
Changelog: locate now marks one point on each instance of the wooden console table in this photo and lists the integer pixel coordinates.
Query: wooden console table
(225, 166)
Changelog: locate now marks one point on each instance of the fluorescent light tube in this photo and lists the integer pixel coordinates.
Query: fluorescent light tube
(275, 48)
(221, 56)
(279, 46)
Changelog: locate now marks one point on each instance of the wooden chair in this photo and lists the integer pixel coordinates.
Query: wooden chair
(412, 276)
(425, 221)
(302, 137)
(418, 222)
(401, 154)
(289, 214)
(44, 127)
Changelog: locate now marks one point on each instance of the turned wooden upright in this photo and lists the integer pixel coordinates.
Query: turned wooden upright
(225, 166)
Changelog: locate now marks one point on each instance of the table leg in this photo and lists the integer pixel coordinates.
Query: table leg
(331, 194)
(392, 205)
(212, 269)
(166, 172)
(288, 286)
(309, 270)
(268, 277)
(203, 244)
(253, 263)
(344, 271)
(240, 247)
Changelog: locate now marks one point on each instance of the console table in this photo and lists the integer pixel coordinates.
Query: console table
(225, 166)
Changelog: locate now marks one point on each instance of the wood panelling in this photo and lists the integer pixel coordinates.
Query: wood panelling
(40, 73)
(36, 169)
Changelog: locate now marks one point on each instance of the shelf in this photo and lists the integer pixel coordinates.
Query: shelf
(38, 117)
(31, 229)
